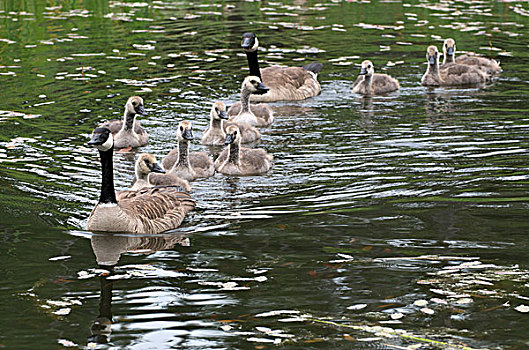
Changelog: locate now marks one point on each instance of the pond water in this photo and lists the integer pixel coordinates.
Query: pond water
(387, 222)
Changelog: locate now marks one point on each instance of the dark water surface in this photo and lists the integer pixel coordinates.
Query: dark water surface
(388, 217)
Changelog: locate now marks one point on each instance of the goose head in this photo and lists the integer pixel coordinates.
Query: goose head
(432, 55)
(146, 164)
(249, 42)
(218, 111)
(449, 47)
(134, 106)
(367, 68)
(101, 139)
(233, 135)
(254, 85)
(184, 131)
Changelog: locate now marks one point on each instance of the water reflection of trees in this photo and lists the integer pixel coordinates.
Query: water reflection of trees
(107, 250)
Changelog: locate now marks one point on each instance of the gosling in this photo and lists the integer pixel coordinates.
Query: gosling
(149, 174)
(488, 65)
(241, 161)
(128, 132)
(371, 83)
(253, 85)
(188, 166)
(215, 134)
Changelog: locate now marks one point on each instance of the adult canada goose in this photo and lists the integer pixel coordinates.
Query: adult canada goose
(237, 160)
(146, 170)
(188, 166)
(452, 74)
(488, 65)
(286, 84)
(371, 83)
(128, 132)
(215, 134)
(150, 210)
(253, 85)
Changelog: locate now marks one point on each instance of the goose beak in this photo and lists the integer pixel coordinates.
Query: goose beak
(450, 51)
(261, 89)
(431, 60)
(223, 115)
(96, 140)
(229, 139)
(363, 71)
(141, 110)
(188, 134)
(156, 168)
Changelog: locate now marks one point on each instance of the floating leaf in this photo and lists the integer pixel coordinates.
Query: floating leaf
(427, 311)
(420, 302)
(397, 315)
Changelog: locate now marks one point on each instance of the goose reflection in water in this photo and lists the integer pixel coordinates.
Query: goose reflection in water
(107, 250)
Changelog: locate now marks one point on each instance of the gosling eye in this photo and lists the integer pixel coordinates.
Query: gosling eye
(235, 133)
(181, 128)
(134, 103)
(369, 66)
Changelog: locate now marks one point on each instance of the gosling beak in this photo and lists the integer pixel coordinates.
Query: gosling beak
(247, 43)
(141, 110)
(223, 115)
(261, 89)
(96, 140)
(431, 60)
(450, 51)
(229, 139)
(156, 168)
(363, 71)
(188, 134)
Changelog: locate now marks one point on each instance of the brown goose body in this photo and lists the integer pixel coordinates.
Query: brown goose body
(241, 161)
(284, 83)
(149, 210)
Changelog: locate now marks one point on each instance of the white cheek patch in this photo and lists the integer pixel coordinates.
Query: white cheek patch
(255, 45)
(107, 145)
(107, 205)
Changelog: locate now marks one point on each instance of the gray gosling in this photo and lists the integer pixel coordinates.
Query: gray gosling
(371, 83)
(215, 134)
(285, 83)
(252, 85)
(128, 132)
(488, 65)
(149, 211)
(149, 174)
(241, 161)
(452, 75)
(188, 166)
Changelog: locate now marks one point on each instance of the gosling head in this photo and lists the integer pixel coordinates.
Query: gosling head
(449, 47)
(101, 139)
(218, 111)
(432, 55)
(249, 42)
(233, 135)
(367, 68)
(184, 131)
(134, 105)
(254, 86)
(146, 164)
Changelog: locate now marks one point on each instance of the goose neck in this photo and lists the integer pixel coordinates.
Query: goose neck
(233, 156)
(128, 121)
(183, 154)
(216, 123)
(245, 100)
(253, 64)
(434, 70)
(368, 81)
(108, 194)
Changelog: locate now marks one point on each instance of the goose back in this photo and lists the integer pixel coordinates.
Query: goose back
(150, 210)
